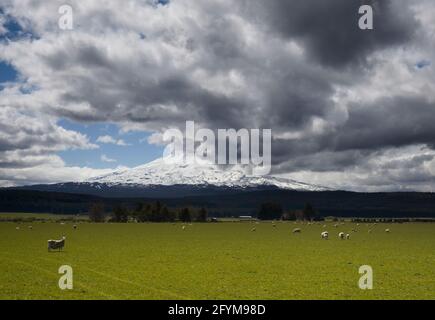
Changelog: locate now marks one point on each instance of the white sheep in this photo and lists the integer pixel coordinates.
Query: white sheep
(17, 228)
(341, 235)
(56, 244)
(325, 235)
(253, 229)
(347, 236)
(297, 230)
(387, 230)
(183, 228)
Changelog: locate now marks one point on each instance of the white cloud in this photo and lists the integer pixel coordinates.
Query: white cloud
(105, 158)
(110, 140)
(394, 169)
(208, 61)
(49, 173)
(156, 138)
(28, 138)
(3, 30)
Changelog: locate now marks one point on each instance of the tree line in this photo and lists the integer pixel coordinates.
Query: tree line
(159, 212)
(274, 211)
(146, 212)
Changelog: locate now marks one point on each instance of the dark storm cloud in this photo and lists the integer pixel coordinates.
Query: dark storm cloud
(294, 99)
(302, 68)
(389, 122)
(329, 29)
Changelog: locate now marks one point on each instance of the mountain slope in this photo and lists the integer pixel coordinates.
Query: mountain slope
(165, 173)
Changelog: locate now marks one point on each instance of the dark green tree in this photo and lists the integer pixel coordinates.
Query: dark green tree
(309, 212)
(202, 215)
(120, 214)
(185, 215)
(270, 211)
(143, 213)
(97, 212)
(167, 215)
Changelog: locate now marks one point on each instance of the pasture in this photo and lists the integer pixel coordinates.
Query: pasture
(217, 261)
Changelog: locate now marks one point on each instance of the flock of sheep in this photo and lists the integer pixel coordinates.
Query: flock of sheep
(53, 244)
(325, 234)
(60, 244)
(341, 235)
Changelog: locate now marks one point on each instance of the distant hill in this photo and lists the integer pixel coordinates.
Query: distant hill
(229, 191)
(231, 202)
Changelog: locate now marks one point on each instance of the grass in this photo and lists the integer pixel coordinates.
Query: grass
(30, 217)
(217, 261)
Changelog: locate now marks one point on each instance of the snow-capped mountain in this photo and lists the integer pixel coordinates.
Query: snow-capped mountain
(170, 173)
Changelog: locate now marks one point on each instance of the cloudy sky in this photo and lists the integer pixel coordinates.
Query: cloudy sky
(348, 108)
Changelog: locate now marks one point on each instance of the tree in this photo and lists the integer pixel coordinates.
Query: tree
(96, 212)
(270, 211)
(143, 212)
(120, 214)
(202, 215)
(154, 212)
(309, 213)
(155, 215)
(167, 215)
(289, 216)
(185, 215)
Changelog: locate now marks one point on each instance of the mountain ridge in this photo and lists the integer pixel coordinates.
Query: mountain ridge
(174, 173)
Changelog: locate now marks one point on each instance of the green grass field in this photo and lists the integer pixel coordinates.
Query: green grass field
(217, 261)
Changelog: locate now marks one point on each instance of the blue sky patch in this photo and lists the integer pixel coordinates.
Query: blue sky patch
(422, 64)
(14, 29)
(7, 73)
(135, 153)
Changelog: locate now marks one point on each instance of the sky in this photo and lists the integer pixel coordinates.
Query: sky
(348, 108)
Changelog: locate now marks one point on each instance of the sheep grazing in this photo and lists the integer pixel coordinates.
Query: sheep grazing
(253, 229)
(30, 227)
(341, 235)
(387, 230)
(325, 235)
(347, 236)
(56, 244)
(297, 230)
(17, 228)
(183, 228)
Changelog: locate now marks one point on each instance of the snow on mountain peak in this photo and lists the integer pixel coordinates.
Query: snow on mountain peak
(168, 173)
